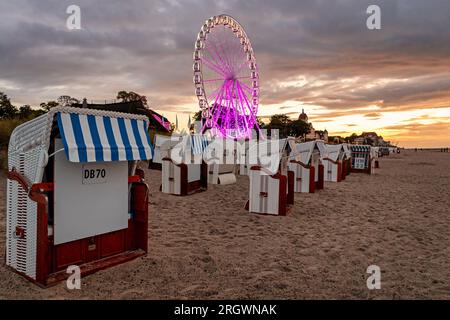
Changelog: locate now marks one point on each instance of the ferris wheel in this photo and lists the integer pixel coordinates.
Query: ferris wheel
(226, 78)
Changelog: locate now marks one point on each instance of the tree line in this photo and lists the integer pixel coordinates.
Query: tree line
(281, 122)
(12, 116)
(9, 111)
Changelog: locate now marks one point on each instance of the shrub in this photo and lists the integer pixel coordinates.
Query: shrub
(6, 128)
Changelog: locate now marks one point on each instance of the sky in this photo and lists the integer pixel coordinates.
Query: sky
(316, 55)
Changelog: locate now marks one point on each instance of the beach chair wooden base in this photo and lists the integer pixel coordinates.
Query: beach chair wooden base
(304, 177)
(319, 182)
(244, 170)
(221, 174)
(348, 166)
(90, 254)
(183, 179)
(345, 169)
(332, 170)
(369, 170)
(270, 194)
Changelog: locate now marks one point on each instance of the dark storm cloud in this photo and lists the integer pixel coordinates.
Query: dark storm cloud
(146, 46)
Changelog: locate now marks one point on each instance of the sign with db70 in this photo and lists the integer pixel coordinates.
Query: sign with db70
(94, 173)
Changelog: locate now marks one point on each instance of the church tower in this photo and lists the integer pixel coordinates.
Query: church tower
(303, 116)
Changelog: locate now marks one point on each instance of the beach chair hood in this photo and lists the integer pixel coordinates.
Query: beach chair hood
(271, 153)
(103, 137)
(348, 152)
(87, 135)
(304, 151)
(334, 151)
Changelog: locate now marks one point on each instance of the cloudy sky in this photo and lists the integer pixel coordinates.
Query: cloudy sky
(312, 54)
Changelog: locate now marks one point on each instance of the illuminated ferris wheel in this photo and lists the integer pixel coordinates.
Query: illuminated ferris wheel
(226, 78)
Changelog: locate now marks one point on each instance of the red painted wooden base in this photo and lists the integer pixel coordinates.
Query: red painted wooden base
(320, 183)
(367, 171)
(285, 195)
(93, 253)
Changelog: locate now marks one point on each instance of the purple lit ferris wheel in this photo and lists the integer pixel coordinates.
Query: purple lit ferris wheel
(226, 78)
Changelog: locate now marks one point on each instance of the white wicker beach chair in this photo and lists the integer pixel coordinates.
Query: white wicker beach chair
(188, 175)
(271, 188)
(333, 162)
(61, 166)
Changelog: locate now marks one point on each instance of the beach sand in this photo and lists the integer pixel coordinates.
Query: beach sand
(206, 246)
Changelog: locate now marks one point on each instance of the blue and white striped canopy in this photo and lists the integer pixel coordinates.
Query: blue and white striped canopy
(198, 143)
(93, 138)
(360, 148)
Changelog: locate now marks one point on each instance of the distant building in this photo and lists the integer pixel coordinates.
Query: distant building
(303, 116)
(313, 134)
(335, 139)
(371, 138)
(359, 141)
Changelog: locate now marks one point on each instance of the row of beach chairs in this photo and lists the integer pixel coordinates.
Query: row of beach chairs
(300, 168)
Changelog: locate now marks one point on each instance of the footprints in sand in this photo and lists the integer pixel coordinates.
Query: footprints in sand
(207, 246)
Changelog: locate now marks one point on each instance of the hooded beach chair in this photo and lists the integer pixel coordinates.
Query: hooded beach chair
(183, 170)
(75, 195)
(271, 182)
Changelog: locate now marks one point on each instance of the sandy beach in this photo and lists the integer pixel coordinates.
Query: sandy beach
(206, 246)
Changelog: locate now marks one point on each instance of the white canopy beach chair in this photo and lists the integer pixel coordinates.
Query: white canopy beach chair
(75, 195)
(362, 159)
(183, 169)
(271, 183)
(333, 162)
(307, 166)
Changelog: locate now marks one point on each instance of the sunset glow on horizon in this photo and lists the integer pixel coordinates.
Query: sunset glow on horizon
(315, 56)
